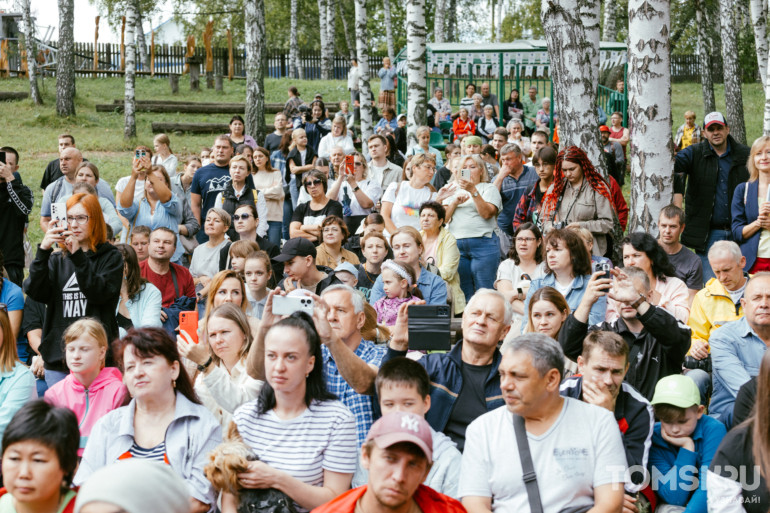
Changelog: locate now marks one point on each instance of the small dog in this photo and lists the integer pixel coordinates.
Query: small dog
(232, 457)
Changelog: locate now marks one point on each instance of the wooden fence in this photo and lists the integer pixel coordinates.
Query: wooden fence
(686, 68)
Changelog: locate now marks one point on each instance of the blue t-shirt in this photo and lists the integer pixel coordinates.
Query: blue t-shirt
(209, 181)
(12, 296)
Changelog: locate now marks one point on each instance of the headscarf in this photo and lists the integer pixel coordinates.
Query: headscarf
(590, 175)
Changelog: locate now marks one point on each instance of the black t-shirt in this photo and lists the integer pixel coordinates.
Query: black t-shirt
(306, 215)
(471, 403)
(296, 157)
(736, 453)
(688, 268)
(365, 281)
(51, 174)
(744, 401)
(272, 141)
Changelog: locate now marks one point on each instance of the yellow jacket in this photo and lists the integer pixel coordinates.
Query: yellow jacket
(711, 308)
(447, 261)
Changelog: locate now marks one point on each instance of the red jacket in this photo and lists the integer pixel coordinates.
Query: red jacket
(429, 501)
(460, 127)
(619, 202)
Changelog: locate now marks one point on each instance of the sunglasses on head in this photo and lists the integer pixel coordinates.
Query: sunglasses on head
(311, 183)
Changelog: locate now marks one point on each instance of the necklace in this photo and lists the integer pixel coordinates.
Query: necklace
(368, 276)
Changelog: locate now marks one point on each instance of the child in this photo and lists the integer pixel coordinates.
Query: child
(403, 385)
(683, 443)
(398, 283)
(140, 241)
(689, 133)
(91, 390)
(347, 274)
(257, 272)
(588, 240)
(236, 255)
(301, 157)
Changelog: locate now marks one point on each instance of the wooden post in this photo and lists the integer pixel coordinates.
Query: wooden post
(190, 53)
(195, 72)
(207, 35)
(123, 44)
(173, 80)
(23, 54)
(4, 68)
(230, 62)
(96, 48)
(152, 54)
(219, 85)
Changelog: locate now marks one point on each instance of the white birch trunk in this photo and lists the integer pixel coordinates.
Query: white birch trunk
(589, 14)
(704, 60)
(323, 31)
(295, 66)
(254, 21)
(732, 71)
(609, 30)
(499, 20)
(451, 21)
(388, 30)
(438, 21)
(348, 42)
(129, 107)
(30, 48)
(649, 90)
(65, 60)
(362, 50)
(331, 21)
(493, 25)
(572, 73)
(759, 23)
(416, 31)
(140, 42)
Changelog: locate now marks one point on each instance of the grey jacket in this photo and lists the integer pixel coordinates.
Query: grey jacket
(588, 208)
(190, 437)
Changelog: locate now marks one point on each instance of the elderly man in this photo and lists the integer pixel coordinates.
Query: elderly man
(464, 382)
(738, 347)
(573, 446)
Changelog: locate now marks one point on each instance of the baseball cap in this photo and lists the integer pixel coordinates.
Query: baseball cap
(346, 267)
(296, 247)
(677, 390)
(472, 139)
(604, 128)
(401, 116)
(400, 427)
(714, 117)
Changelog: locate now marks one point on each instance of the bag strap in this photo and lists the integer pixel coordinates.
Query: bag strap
(530, 477)
(173, 278)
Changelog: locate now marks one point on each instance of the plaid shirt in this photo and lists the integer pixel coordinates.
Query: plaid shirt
(360, 405)
(528, 205)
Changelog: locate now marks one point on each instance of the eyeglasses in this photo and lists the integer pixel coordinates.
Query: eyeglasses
(238, 217)
(525, 239)
(81, 220)
(311, 183)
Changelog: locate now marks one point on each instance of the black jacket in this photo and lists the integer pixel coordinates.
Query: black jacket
(265, 245)
(15, 205)
(330, 279)
(230, 203)
(698, 165)
(659, 348)
(635, 419)
(72, 287)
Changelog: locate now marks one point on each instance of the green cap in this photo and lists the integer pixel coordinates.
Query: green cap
(472, 139)
(678, 390)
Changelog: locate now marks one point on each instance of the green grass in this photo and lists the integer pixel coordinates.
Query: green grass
(33, 130)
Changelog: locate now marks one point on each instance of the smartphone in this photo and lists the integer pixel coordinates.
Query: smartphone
(59, 213)
(605, 267)
(188, 322)
(287, 305)
(350, 162)
(429, 327)
(519, 290)
(465, 173)
(2, 157)
(138, 154)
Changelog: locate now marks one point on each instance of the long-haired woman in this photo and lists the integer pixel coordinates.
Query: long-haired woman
(140, 301)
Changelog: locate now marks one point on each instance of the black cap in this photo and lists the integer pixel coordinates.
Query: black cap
(296, 247)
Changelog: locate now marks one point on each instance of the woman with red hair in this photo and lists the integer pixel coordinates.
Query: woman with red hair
(81, 280)
(579, 197)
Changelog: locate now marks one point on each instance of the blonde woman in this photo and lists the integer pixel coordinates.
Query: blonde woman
(205, 260)
(471, 214)
(337, 137)
(163, 154)
(357, 193)
(423, 146)
(751, 209)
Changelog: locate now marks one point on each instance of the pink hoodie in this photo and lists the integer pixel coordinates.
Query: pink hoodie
(105, 394)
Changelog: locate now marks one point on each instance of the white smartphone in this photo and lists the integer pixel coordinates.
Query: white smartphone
(59, 213)
(287, 305)
(465, 173)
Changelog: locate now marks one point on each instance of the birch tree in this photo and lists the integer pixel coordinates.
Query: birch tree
(759, 23)
(348, 42)
(451, 21)
(589, 16)
(732, 71)
(609, 30)
(416, 77)
(129, 107)
(704, 59)
(30, 48)
(438, 21)
(649, 91)
(388, 30)
(331, 22)
(295, 67)
(65, 60)
(574, 83)
(365, 91)
(140, 41)
(499, 20)
(254, 21)
(323, 31)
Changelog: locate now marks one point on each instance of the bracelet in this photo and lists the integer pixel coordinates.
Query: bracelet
(205, 366)
(636, 304)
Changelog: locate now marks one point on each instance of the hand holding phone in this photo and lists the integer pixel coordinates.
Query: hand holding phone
(465, 174)
(350, 163)
(59, 214)
(287, 305)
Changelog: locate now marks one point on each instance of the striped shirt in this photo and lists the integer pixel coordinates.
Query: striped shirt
(322, 438)
(157, 453)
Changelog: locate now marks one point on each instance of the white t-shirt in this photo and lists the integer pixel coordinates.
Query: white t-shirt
(466, 221)
(406, 208)
(369, 187)
(322, 437)
(138, 189)
(563, 289)
(582, 450)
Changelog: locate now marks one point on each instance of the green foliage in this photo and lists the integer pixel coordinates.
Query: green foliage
(523, 22)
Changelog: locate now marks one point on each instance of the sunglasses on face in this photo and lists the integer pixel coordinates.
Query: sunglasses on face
(238, 217)
(311, 183)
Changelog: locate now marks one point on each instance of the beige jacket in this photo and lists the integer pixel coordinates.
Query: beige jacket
(588, 208)
(269, 185)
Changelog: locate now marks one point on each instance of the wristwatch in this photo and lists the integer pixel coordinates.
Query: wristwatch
(205, 366)
(356, 188)
(475, 194)
(635, 305)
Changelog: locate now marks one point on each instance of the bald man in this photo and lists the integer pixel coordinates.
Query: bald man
(738, 347)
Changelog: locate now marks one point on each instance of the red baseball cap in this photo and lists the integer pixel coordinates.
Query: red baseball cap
(714, 117)
(604, 128)
(400, 427)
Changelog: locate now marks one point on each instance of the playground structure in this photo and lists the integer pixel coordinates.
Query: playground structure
(506, 66)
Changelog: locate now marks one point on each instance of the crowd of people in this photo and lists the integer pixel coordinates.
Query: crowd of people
(230, 329)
